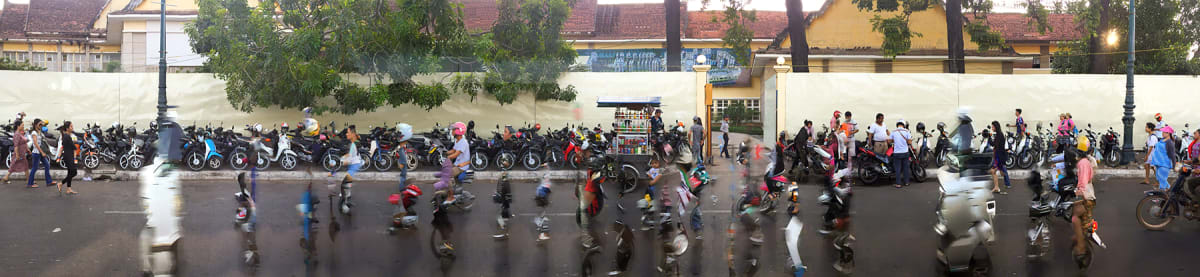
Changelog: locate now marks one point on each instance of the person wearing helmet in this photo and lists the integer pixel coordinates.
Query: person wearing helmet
(403, 134)
(1081, 212)
(1159, 124)
(460, 154)
(656, 122)
(590, 199)
(962, 134)
(999, 155)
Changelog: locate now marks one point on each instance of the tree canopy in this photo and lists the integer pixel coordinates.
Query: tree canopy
(298, 53)
(1163, 42)
(897, 36)
(737, 34)
(9, 64)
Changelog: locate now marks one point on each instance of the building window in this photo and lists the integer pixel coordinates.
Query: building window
(1037, 62)
(751, 104)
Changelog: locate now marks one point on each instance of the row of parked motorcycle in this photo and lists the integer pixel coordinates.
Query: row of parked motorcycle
(932, 148)
(209, 147)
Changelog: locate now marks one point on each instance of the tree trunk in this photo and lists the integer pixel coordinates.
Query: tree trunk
(1100, 62)
(796, 31)
(674, 45)
(956, 55)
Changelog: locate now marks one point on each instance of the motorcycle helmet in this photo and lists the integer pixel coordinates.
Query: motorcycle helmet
(153, 124)
(1082, 144)
(537, 127)
(283, 126)
(459, 128)
(405, 131)
(311, 126)
(257, 128)
(921, 127)
(1158, 116)
(696, 119)
(901, 122)
(837, 114)
(964, 114)
(940, 125)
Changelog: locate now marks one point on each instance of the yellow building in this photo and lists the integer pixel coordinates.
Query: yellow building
(56, 34)
(841, 40)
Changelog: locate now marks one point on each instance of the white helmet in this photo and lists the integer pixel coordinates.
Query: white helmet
(405, 131)
(311, 126)
(257, 128)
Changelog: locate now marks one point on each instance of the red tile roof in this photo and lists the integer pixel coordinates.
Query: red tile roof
(480, 15)
(634, 21)
(1016, 27)
(70, 16)
(12, 20)
(700, 24)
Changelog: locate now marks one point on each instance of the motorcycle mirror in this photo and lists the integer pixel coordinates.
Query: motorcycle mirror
(1089, 125)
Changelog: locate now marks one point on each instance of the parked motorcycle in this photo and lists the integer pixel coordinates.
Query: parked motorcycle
(964, 213)
(871, 166)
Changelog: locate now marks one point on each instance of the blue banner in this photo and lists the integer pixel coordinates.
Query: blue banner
(725, 69)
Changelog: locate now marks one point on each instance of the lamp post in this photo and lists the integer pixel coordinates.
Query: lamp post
(162, 75)
(1127, 149)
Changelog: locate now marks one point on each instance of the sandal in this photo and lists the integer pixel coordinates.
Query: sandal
(31, 187)
(899, 186)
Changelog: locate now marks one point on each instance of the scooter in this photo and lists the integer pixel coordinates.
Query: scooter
(200, 156)
(836, 199)
(282, 154)
(342, 191)
(871, 166)
(463, 199)
(964, 214)
(403, 215)
(1043, 207)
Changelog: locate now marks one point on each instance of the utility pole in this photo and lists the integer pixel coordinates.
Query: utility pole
(162, 76)
(1127, 149)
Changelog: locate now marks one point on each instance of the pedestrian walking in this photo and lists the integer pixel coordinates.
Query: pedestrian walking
(999, 155)
(21, 149)
(901, 139)
(66, 152)
(1161, 159)
(725, 137)
(697, 133)
(39, 152)
(1151, 142)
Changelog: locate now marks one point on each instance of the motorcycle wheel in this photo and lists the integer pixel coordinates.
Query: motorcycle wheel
(1010, 161)
(865, 174)
(1151, 208)
(506, 161)
(531, 161)
(918, 171)
(135, 162)
(628, 178)
(263, 162)
(288, 161)
(8, 161)
(367, 163)
(124, 163)
(382, 163)
(479, 160)
(555, 159)
(1025, 160)
(237, 160)
(331, 162)
(91, 161)
(62, 164)
(214, 163)
(571, 161)
(193, 160)
(1113, 159)
(413, 162)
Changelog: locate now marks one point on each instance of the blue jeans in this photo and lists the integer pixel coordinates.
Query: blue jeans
(34, 166)
(403, 162)
(697, 225)
(903, 172)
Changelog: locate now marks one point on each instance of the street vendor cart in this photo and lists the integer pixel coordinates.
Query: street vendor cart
(630, 152)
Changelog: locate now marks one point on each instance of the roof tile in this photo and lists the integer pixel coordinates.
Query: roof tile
(74, 16)
(480, 15)
(12, 21)
(701, 26)
(1016, 27)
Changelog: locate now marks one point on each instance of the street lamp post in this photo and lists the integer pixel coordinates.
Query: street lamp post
(162, 75)
(1127, 149)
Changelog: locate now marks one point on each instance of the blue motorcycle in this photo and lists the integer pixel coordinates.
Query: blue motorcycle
(202, 151)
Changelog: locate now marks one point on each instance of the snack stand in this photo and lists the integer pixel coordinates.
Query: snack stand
(631, 121)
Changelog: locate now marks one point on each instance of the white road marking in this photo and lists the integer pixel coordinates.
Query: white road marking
(124, 212)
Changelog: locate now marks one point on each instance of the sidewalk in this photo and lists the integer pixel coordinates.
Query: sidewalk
(278, 175)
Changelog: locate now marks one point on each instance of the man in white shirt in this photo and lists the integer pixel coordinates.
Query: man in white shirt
(879, 135)
(901, 138)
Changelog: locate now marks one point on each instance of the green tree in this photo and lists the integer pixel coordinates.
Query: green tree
(1190, 18)
(523, 53)
(737, 113)
(737, 34)
(1162, 39)
(897, 36)
(9, 64)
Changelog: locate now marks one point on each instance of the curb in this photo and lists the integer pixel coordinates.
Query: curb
(418, 176)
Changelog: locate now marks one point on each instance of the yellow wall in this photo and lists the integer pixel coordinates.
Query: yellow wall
(985, 67)
(852, 65)
(42, 47)
(16, 46)
(753, 91)
(844, 26)
(656, 45)
(134, 26)
(1027, 48)
(176, 5)
(916, 66)
(108, 49)
(113, 5)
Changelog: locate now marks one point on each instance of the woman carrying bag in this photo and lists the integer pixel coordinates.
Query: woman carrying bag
(21, 145)
(39, 150)
(67, 154)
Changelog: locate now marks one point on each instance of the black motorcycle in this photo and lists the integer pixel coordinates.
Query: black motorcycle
(1158, 208)
(873, 165)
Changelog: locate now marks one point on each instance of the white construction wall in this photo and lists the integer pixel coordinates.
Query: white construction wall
(930, 98)
(132, 97)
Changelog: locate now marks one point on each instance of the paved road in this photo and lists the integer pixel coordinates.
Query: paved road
(94, 233)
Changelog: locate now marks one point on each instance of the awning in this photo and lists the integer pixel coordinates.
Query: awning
(622, 101)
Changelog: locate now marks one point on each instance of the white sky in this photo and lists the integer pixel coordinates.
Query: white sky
(812, 5)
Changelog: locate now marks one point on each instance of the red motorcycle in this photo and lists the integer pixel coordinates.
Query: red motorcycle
(871, 165)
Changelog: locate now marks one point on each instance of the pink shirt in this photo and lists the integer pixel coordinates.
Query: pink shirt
(1084, 170)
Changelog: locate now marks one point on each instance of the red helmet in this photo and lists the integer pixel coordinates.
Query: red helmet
(837, 113)
(537, 127)
(1158, 116)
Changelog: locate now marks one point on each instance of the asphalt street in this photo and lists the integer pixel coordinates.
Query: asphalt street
(94, 234)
